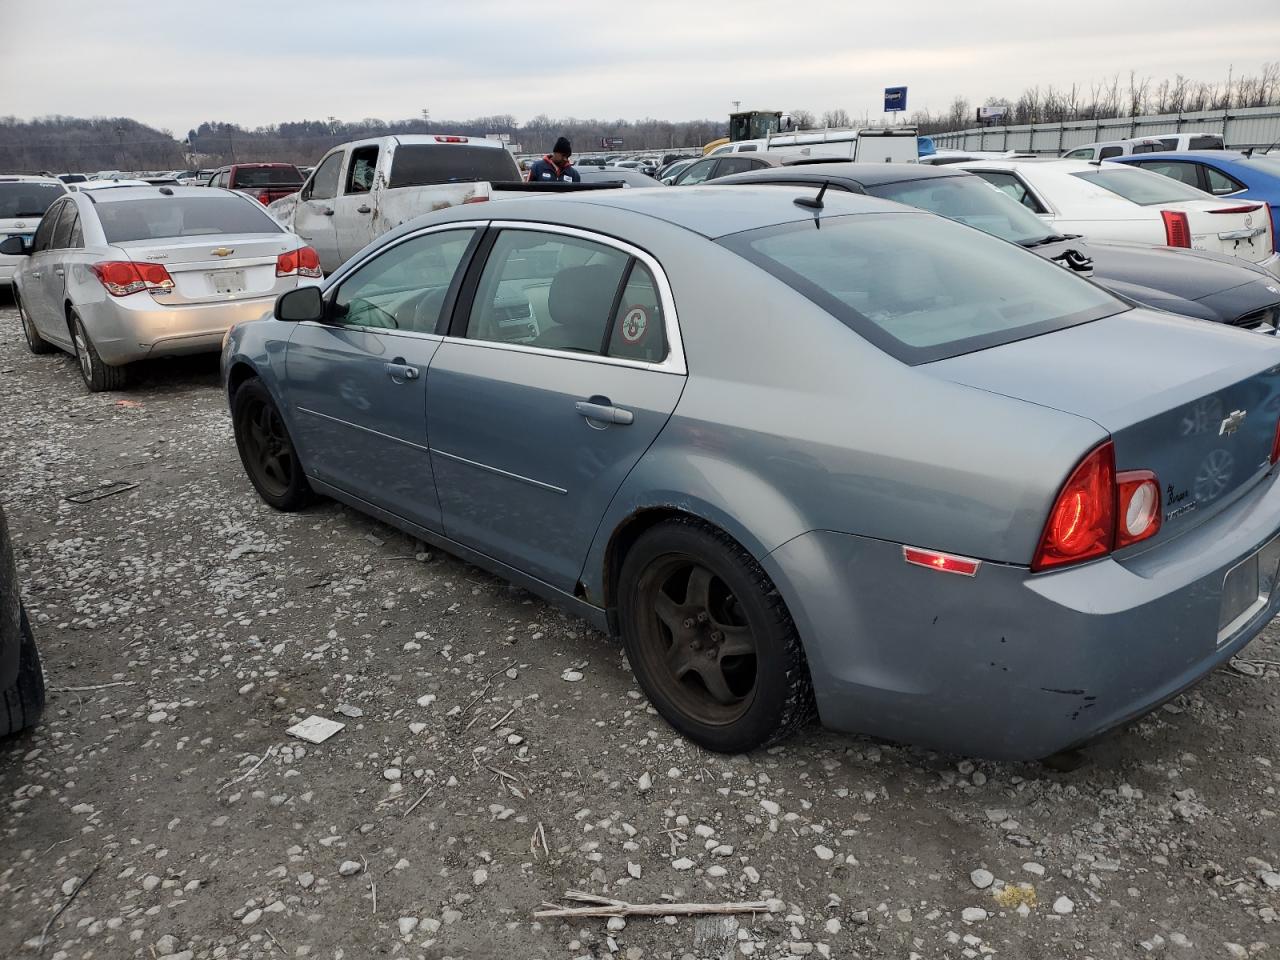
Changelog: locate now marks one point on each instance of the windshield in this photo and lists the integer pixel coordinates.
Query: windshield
(287, 176)
(125, 220)
(919, 287)
(1142, 187)
(422, 164)
(27, 199)
(970, 200)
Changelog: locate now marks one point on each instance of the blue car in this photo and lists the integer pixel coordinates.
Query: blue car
(1223, 173)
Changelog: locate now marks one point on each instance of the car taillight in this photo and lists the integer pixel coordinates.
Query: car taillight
(1081, 524)
(1275, 446)
(451, 139)
(303, 262)
(264, 198)
(476, 200)
(1177, 229)
(1138, 506)
(1248, 208)
(1275, 227)
(121, 278)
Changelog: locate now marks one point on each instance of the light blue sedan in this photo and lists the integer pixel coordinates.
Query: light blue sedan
(800, 451)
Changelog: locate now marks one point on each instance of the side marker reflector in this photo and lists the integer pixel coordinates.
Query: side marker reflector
(945, 562)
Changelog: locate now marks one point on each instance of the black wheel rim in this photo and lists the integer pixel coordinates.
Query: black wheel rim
(267, 451)
(695, 640)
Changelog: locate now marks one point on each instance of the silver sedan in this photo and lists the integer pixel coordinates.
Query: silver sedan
(123, 273)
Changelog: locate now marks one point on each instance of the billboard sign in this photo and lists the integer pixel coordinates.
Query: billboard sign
(895, 99)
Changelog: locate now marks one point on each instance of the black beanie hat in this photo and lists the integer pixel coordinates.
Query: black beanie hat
(562, 146)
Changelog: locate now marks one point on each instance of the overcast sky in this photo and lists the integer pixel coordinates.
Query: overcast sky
(176, 64)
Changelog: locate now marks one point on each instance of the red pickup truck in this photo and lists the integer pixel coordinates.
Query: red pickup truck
(263, 181)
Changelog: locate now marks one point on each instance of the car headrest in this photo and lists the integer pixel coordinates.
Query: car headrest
(581, 297)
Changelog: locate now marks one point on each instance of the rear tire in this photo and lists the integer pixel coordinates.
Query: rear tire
(266, 449)
(97, 376)
(35, 343)
(710, 639)
(22, 704)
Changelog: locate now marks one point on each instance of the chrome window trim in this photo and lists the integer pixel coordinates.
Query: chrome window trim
(673, 363)
(343, 273)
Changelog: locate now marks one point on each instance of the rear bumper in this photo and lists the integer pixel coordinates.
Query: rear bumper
(1009, 665)
(136, 327)
(7, 266)
(1271, 264)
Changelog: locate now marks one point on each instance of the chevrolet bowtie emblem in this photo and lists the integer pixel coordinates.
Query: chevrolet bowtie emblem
(1232, 423)
(224, 251)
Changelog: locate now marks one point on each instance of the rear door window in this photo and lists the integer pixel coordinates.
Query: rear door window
(923, 288)
(1109, 152)
(639, 327)
(731, 165)
(1205, 142)
(424, 164)
(1219, 183)
(62, 230)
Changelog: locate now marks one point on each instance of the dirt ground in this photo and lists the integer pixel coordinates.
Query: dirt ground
(497, 754)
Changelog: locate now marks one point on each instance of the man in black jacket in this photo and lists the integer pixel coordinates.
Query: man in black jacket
(555, 166)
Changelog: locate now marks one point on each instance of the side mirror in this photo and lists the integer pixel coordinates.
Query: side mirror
(304, 303)
(14, 247)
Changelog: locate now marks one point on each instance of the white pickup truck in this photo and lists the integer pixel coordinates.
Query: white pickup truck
(362, 189)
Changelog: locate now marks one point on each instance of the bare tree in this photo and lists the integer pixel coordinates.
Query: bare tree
(804, 119)
(837, 118)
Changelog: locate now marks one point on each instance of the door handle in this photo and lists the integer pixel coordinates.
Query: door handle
(59, 272)
(399, 371)
(364, 208)
(604, 412)
(327, 211)
(35, 275)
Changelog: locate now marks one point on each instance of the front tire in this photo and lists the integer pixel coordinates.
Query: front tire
(22, 704)
(97, 376)
(35, 343)
(266, 449)
(710, 639)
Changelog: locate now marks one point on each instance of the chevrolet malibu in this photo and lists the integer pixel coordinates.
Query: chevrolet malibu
(800, 451)
(123, 273)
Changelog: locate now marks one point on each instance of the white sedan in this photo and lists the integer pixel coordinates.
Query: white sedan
(1105, 203)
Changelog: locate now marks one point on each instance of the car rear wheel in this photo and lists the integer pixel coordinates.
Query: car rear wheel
(266, 449)
(710, 640)
(35, 342)
(97, 376)
(22, 704)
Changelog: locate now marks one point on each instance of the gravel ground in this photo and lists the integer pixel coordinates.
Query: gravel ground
(497, 753)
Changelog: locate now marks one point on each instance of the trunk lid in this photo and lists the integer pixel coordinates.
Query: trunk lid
(242, 268)
(1234, 227)
(1195, 403)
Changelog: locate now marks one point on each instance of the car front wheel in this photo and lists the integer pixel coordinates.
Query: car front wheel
(710, 639)
(266, 449)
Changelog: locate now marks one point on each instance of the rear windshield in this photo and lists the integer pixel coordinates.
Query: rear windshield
(418, 165)
(922, 288)
(970, 200)
(1142, 187)
(125, 220)
(27, 199)
(268, 177)
(1205, 143)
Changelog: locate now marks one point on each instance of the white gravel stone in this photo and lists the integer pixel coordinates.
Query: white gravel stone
(252, 917)
(480, 877)
(407, 925)
(616, 924)
(572, 676)
(973, 915)
(305, 880)
(981, 878)
(1063, 906)
(824, 852)
(69, 886)
(1034, 868)
(349, 868)
(771, 808)
(645, 783)
(684, 863)
(392, 773)
(633, 870)
(833, 925)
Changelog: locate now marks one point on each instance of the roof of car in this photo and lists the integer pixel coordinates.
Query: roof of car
(26, 178)
(709, 210)
(865, 174)
(116, 193)
(1228, 155)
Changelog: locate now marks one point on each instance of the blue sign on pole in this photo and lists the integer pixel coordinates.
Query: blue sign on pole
(895, 99)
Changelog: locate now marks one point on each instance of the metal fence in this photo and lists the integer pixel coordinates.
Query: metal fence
(1241, 128)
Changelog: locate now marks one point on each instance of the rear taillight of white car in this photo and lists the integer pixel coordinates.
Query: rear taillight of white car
(1098, 511)
(121, 278)
(1274, 217)
(303, 262)
(1177, 228)
(264, 198)
(1275, 446)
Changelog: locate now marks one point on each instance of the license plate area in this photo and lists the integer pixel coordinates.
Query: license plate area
(1247, 588)
(227, 281)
